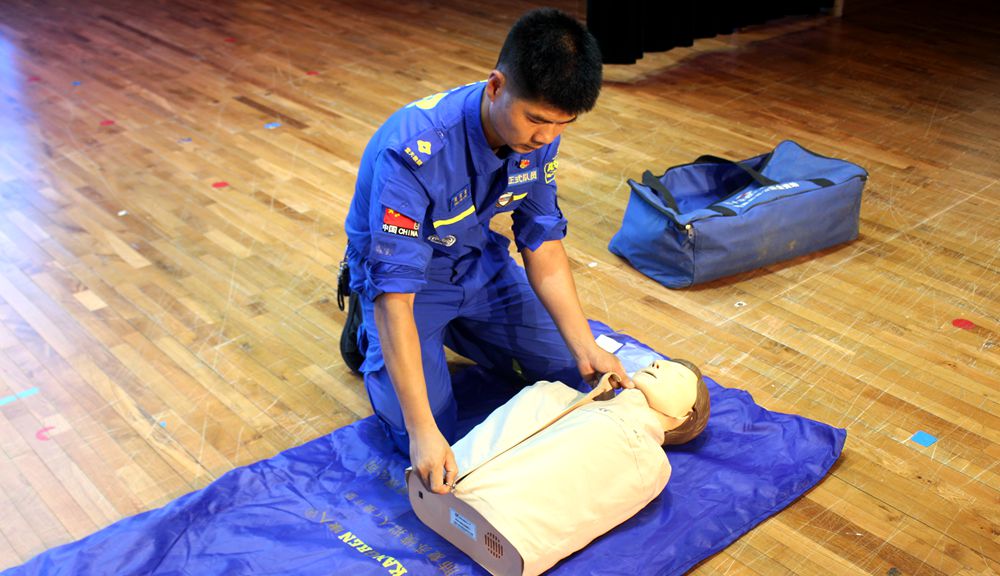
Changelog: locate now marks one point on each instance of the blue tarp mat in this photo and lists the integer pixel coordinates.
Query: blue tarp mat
(337, 504)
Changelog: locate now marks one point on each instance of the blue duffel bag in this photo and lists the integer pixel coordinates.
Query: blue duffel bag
(716, 217)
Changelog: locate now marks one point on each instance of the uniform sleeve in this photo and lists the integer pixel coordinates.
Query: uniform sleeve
(398, 258)
(538, 218)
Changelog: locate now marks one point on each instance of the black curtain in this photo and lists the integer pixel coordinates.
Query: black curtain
(625, 29)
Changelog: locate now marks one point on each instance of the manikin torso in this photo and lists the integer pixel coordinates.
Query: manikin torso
(584, 474)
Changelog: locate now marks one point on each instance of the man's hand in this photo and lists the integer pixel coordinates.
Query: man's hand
(596, 361)
(432, 459)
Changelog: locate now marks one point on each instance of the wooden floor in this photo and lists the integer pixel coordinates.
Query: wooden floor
(158, 329)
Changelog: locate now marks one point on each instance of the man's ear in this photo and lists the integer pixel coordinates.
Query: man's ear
(495, 83)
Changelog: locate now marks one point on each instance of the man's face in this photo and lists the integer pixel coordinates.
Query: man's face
(525, 125)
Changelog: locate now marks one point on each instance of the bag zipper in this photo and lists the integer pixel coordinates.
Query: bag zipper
(690, 229)
(776, 198)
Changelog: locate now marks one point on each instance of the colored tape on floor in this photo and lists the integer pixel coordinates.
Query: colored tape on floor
(19, 395)
(923, 438)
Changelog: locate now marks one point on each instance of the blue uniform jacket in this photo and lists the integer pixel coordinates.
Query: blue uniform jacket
(427, 188)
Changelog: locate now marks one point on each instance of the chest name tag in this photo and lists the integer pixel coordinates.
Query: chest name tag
(458, 198)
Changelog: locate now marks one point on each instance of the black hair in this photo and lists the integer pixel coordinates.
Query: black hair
(549, 57)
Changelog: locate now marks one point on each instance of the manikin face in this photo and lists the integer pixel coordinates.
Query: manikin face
(521, 124)
(671, 390)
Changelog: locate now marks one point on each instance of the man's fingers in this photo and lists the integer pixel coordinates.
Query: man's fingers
(619, 370)
(626, 381)
(619, 379)
(450, 470)
(437, 485)
(425, 476)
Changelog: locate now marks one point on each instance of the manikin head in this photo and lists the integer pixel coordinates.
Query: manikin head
(548, 72)
(675, 390)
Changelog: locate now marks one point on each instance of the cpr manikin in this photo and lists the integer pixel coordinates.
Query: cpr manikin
(554, 468)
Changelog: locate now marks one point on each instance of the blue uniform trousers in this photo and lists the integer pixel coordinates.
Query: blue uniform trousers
(492, 321)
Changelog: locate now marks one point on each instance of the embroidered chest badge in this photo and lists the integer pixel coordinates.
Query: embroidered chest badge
(504, 199)
(448, 240)
(524, 163)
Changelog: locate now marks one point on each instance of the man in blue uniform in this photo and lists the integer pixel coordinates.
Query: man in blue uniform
(426, 267)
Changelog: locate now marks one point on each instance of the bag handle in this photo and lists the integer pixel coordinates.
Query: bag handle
(653, 182)
(757, 176)
(655, 202)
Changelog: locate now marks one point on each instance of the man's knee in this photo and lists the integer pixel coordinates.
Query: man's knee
(400, 439)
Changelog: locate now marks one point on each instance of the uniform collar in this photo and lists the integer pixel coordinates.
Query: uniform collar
(483, 157)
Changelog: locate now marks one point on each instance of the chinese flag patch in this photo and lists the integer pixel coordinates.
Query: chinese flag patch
(395, 223)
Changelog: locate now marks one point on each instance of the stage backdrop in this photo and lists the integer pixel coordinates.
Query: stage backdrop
(625, 29)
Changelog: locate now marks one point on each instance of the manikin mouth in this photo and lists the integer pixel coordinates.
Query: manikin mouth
(646, 371)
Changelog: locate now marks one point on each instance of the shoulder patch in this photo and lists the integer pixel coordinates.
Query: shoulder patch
(420, 149)
(429, 102)
(550, 170)
(398, 224)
